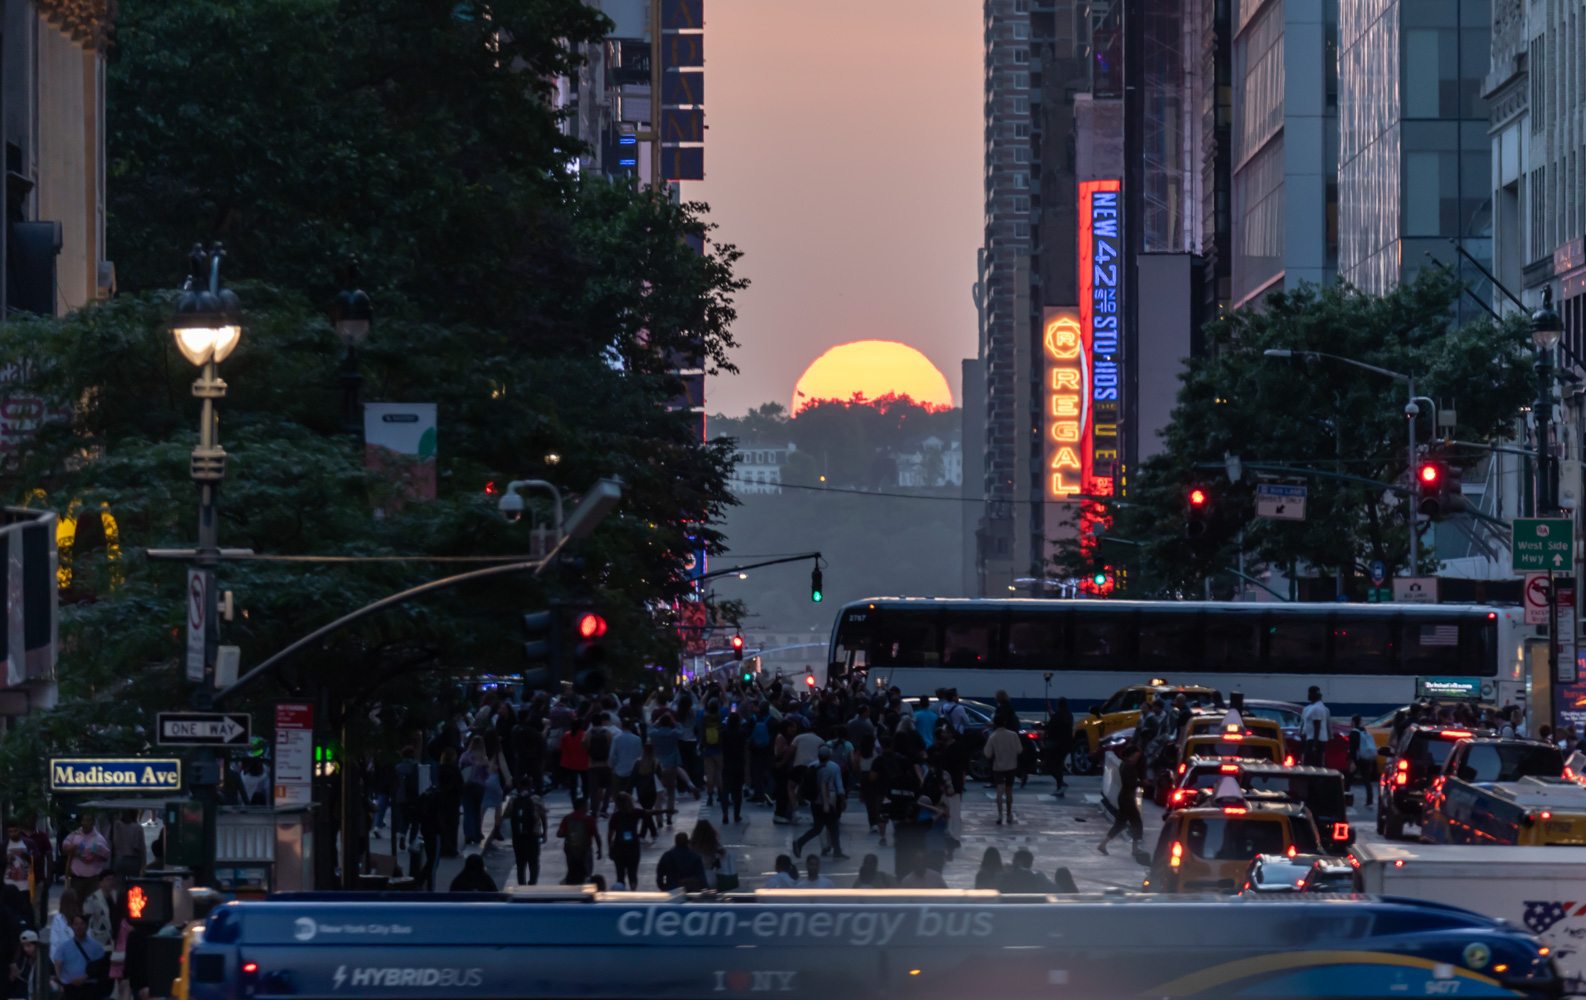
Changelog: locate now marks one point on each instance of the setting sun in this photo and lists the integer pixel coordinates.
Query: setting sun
(872, 368)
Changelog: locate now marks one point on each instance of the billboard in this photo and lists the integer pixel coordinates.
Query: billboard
(1066, 389)
(1101, 328)
(399, 445)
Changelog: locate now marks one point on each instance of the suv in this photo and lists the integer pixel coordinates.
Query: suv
(1411, 766)
(1122, 711)
(1209, 846)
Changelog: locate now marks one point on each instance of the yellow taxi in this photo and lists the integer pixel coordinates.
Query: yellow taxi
(1209, 847)
(194, 934)
(1244, 746)
(1122, 711)
(1213, 723)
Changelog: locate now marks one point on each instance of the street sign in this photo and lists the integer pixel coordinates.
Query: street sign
(1379, 572)
(1278, 502)
(1379, 595)
(1542, 543)
(114, 774)
(1534, 595)
(198, 583)
(205, 729)
(294, 754)
(1415, 590)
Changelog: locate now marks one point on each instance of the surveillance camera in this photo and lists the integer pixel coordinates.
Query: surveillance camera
(511, 505)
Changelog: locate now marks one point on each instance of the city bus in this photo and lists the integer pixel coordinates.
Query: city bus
(856, 945)
(1364, 657)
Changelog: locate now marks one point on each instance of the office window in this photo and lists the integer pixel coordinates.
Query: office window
(1021, 55)
(1021, 154)
(1021, 29)
(1021, 105)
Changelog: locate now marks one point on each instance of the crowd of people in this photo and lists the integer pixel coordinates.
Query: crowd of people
(814, 757)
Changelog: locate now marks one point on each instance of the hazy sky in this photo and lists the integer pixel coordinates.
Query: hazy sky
(844, 158)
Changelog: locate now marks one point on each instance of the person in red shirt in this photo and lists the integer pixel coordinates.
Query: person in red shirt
(580, 835)
(575, 761)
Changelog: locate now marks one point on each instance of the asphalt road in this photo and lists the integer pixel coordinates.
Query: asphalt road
(1059, 832)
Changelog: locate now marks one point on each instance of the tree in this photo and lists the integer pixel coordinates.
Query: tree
(1314, 414)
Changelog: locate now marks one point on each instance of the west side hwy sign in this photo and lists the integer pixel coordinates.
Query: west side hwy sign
(205, 729)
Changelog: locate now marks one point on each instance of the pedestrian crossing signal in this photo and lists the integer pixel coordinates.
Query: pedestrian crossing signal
(149, 902)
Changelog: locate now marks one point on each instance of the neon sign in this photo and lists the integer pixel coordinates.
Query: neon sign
(1067, 404)
(1101, 326)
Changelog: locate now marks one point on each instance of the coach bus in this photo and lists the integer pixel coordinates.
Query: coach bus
(853, 945)
(1364, 657)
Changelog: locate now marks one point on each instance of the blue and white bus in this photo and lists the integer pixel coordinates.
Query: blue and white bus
(824, 945)
(1365, 657)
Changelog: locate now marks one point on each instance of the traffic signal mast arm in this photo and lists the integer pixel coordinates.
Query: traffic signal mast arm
(748, 566)
(1300, 470)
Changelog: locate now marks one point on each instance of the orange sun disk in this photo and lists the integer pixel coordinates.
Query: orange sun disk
(872, 368)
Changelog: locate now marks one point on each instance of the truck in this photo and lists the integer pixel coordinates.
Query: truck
(1539, 889)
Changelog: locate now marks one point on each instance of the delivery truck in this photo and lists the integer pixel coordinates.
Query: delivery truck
(1539, 889)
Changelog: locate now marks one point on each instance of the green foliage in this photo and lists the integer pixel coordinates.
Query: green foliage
(1317, 414)
(542, 313)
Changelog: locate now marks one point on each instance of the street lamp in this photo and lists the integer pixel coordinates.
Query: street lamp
(352, 313)
(1411, 410)
(207, 327)
(1545, 330)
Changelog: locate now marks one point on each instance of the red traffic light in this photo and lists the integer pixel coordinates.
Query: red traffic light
(591, 626)
(737, 642)
(1429, 474)
(1197, 497)
(809, 679)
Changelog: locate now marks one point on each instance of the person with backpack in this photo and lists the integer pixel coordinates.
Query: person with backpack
(823, 786)
(529, 736)
(1363, 754)
(475, 765)
(598, 740)
(734, 747)
(579, 835)
(708, 731)
(529, 831)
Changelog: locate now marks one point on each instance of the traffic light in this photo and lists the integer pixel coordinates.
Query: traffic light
(149, 902)
(539, 629)
(1197, 504)
(737, 647)
(1438, 492)
(589, 654)
(1099, 579)
(815, 586)
(809, 680)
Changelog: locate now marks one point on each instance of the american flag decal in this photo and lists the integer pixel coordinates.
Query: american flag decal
(1542, 914)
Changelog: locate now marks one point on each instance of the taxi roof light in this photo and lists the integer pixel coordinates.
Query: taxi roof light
(1293, 850)
(1288, 761)
(1234, 810)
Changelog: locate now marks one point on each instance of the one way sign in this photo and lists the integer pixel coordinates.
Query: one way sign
(205, 729)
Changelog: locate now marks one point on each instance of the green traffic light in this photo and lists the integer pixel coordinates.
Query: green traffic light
(815, 596)
(1100, 579)
(815, 586)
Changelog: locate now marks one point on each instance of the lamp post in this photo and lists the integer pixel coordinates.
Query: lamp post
(1545, 330)
(352, 313)
(1411, 411)
(207, 326)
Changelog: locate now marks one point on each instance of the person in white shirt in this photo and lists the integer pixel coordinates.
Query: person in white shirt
(813, 879)
(626, 749)
(1316, 728)
(1002, 748)
(786, 875)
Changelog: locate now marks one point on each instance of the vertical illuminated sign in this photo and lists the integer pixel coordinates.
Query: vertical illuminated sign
(1067, 403)
(1101, 326)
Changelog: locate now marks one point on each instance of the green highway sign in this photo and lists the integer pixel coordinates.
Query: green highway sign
(1543, 544)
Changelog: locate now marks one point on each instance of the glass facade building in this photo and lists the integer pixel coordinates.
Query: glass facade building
(1414, 156)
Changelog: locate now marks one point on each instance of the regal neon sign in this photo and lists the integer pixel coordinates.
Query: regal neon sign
(1067, 404)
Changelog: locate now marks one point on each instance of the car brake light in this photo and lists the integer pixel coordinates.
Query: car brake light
(1455, 734)
(1398, 863)
(1299, 883)
(1288, 761)
(1180, 795)
(1546, 814)
(1544, 951)
(1354, 862)
(1492, 616)
(1340, 831)
(1235, 810)
(1404, 765)
(1176, 855)
(1569, 773)
(1234, 737)
(1229, 768)
(1181, 768)
(1293, 850)
(249, 968)
(1401, 779)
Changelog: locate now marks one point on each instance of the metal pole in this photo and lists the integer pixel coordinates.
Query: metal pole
(351, 391)
(1542, 418)
(1552, 648)
(1414, 514)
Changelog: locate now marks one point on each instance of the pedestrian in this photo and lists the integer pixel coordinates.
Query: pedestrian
(667, 739)
(579, 836)
(1057, 739)
(645, 775)
(626, 749)
(575, 761)
(687, 716)
(529, 830)
(1003, 750)
(708, 737)
(1363, 754)
(1316, 727)
(990, 872)
(128, 845)
(404, 796)
(680, 868)
(449, 783)
(1130, 773)
(786, 875)
(529, 737)
(76, 962)
(18, 860)
(925, 720)
(598, 740)
(425, 845)
(622, 840)
(734, 758)
(473, 877)
(104, 910)
(87, 856)
(921, 875)
(824, 786)
(953, 711)
(871, 876)
(762, 736)
(813, 879)
(721, 873)
(24, 967)
(497, 781)
(1021, 876)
